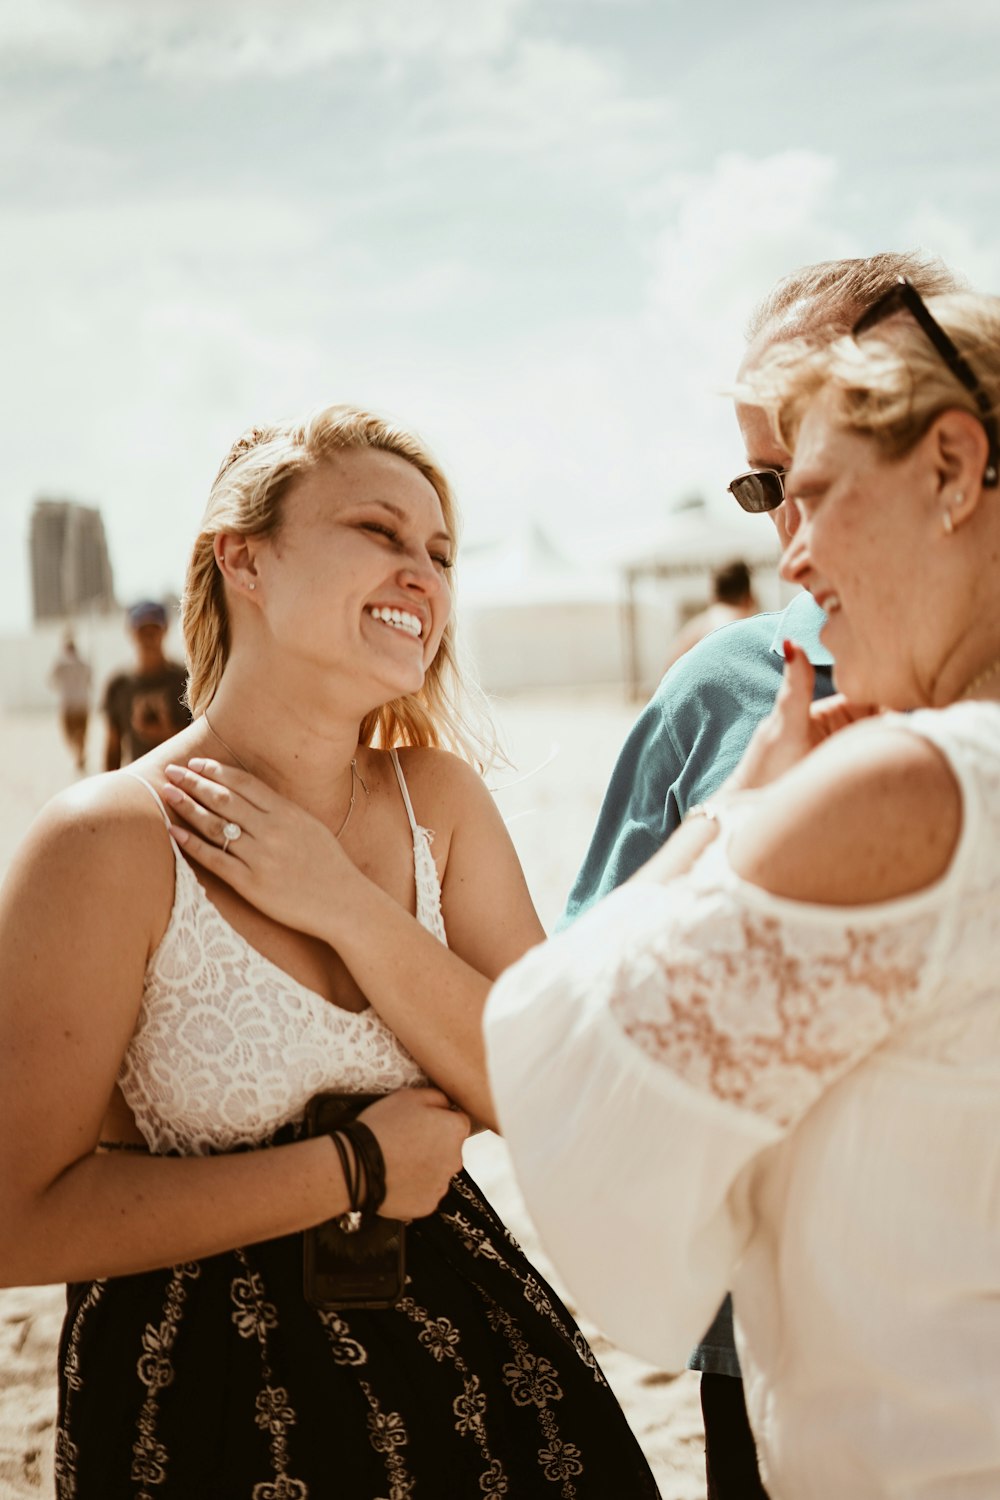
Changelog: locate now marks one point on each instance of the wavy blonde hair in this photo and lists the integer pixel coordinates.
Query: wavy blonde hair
(247, 497)
(890, 383)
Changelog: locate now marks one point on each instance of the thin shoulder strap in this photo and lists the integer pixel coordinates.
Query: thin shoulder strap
(402, 787)
(152, 792)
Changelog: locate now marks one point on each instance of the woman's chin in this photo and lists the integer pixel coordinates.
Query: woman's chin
(399, 685)
(855, 685)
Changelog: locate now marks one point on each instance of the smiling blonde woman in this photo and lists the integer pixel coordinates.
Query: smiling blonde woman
(162, 1035)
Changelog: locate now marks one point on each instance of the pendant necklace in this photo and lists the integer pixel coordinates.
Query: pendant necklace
(356, 776)
(980, 678)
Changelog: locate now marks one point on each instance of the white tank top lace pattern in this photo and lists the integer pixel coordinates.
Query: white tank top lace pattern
(228, 1048)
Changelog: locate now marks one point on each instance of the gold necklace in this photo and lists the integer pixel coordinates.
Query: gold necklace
(355, 773)
(980, 678)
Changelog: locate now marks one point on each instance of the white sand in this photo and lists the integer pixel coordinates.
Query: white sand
(564, 747)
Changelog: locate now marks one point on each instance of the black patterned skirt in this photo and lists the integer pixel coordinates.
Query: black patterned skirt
(216, 1380)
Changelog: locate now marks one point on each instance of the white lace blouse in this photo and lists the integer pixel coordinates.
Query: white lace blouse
(228, 1047)
(704, 1087)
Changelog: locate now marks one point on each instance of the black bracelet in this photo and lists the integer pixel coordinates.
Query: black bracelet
(367, 1148)
(350, 1164)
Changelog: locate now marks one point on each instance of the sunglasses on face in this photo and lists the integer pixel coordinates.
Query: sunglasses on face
(758, 490)
(904, 296)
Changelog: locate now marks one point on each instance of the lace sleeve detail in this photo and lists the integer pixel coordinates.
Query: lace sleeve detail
(643, 1062)
(762, 1003)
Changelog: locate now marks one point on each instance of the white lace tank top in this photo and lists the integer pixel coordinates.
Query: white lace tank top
(228, 1047)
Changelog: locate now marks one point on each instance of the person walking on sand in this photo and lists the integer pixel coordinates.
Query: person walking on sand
(144, 706)
(71, 677)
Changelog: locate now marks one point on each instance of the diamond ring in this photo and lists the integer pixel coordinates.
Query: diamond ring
(230, 833)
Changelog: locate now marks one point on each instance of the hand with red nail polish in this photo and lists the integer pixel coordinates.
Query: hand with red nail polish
(795, 726)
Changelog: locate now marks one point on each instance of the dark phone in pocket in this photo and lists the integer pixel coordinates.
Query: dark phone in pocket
(364, 1269)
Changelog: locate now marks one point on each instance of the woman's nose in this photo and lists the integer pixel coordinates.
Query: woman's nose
(421, 573)
(791, 517)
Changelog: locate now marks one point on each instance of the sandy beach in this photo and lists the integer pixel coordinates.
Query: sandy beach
(563, 746)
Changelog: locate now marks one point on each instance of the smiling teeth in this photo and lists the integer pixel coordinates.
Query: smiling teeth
(400, 618)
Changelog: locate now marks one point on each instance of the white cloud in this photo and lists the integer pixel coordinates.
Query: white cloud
(252, 38)
(733, 231)
(544, 96)
(931, 229)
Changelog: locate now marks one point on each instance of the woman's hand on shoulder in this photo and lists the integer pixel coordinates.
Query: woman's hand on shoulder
(873, 814)
(281, 859)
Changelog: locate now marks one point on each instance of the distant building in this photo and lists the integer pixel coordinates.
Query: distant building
(70, 566)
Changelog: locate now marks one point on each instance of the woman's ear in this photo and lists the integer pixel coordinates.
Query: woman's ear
(235, 560)
(961, 451)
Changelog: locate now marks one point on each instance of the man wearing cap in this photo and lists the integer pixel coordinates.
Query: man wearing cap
(694, 730)
(143, 707)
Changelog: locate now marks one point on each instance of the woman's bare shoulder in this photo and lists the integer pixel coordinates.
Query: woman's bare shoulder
(441, 778)
(107, 831)
(872, 815)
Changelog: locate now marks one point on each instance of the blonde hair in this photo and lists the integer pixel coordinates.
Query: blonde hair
(247, 497)
(832, 294)
(890, 383)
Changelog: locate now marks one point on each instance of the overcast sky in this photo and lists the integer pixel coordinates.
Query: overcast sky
(533, 229)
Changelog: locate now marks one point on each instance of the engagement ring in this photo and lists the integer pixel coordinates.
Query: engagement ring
(230, 833)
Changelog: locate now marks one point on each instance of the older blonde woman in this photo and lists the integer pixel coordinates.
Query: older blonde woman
(772, 1060)
(162, 1036)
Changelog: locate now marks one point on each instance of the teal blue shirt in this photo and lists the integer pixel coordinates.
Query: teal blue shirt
(689, 737)
(684, 744)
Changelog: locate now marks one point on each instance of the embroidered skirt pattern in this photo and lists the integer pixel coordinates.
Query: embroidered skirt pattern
(216, 1380)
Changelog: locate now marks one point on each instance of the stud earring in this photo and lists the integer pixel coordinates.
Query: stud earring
(252, 586)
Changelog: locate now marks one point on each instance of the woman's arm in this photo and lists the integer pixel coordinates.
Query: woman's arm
(79, 912)
(645, 1060)
(291, 867)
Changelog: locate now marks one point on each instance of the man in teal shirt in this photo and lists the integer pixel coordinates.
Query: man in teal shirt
(695, 728)
(689, 737)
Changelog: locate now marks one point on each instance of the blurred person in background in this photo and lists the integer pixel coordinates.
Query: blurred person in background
(71, 679)
(691, 735)
(772, 1060)
(732, 599)
(144, 706)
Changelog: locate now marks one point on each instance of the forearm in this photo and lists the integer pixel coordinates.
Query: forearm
(117, 1213)
(432, 999)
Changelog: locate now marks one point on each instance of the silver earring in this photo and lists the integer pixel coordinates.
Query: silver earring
(947, 524)
(252, 586)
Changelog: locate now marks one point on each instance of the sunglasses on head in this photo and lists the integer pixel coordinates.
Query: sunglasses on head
(758, 490)
(904, 296)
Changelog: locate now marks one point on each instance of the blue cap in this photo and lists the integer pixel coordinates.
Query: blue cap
(147, 612)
